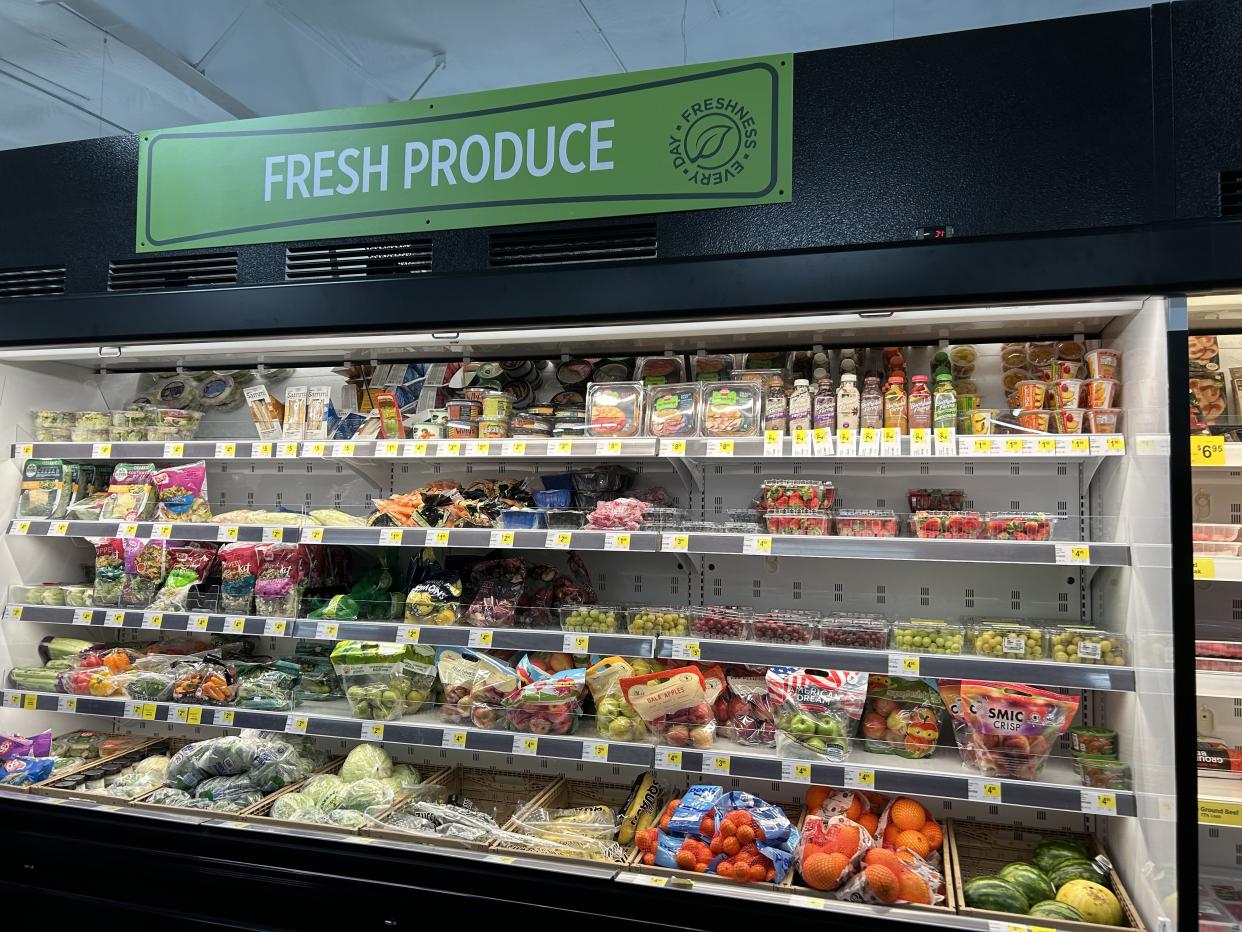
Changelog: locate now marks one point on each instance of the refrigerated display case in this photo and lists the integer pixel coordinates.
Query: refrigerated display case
(1023, 579)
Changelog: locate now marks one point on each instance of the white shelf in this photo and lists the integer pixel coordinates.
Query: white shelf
(1215, 683)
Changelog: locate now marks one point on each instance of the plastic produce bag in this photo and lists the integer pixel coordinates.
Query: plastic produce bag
(376, 679)
(435, 594)
(227, 788)
(497, 587)
(276, 765)
(675, 704)
(267, 686)
(475, 687)
(277, 588)
(368, 793)
(23, 771)
(181, 491)
(298, 807)
(189, 564)
(169, 796)
(816, 713)
(109, 571)
(749, 719)
(46, 489)
(208, 680)
(146, 565)
(548, 706)
(366, 762)
(239, 568)
(324, 790)
(1005, 729)
(615, 718)
(902, 716)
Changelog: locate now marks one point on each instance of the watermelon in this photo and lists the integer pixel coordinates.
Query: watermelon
(1076, 869)
(1050, 853)
(1096, 903)
(995, 894)
(1053, 909)
(1028, 878)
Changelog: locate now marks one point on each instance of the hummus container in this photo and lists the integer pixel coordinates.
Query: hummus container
(463, 409)
(461, 430)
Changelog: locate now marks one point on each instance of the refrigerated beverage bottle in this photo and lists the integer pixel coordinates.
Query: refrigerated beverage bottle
(944, 402)
(800, 406)
(775, 406)
(824, 414)
(921, 407)
(895, 403)
(848, 403)
(871, 404)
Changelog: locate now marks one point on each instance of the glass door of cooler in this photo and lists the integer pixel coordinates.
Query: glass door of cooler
(926, 623)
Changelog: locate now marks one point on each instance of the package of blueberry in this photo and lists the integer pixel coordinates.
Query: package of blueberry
(45, 490)
(673, 410)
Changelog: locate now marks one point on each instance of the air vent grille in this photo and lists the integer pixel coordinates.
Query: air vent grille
(32, 282)
(357, 260)
(562, 247)
(1231, 193)
(171, 273)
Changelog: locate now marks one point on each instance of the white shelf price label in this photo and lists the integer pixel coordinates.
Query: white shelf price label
(451, 448)
(821, 442)
(318, 448)
(983, 791)
(453, 738)
(225, 450)
(719, 447)
(614, 540)
(25, 451)
(858, 778)
(869, 442)
(345, 448)
(1045, 446)
(391, 536)
(501, 539)
(408, 634)
(101, 451)
(66, 703)
(773, 443)
(128, 529)
(685, 649)
(576, 644)
(416, 448)
(717, 763)
(903, 664)
(513, 448)
(296, 723)
(275, 627)
(19, 527)
(273, 535)
(757, 545)
(675, 543)
(608, 447)
(114, 619)
(12, 700)
(802, 442)
(439, 537)
(478, 447)
(388, 448)
(198, 623)
(224, 717)
(1097, 802)
(1073, 553)
(152, 621)
(261, 450)
(1016, 446)
(847, 442)
(668, 759)
(1080, 446)
(983, 446)
(372, 731)
(920, 441)
(174, 450)
(479, 637)
(945, 441)
(141, 710)
(286, 451)
(226, 533)
(313, 535)
(235, 624)
(559, 540)
(796, 771)
(595, 751)
(58, 529)
(161, 531)
(890, 442)
(672, 447)
(527, 745)
(326, 630)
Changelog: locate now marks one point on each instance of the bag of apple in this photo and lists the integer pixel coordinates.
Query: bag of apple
(549, 706)
(675, 704)
(816, 712)
(615, 719)
(902, 716)
(475, 687)
(748, 716)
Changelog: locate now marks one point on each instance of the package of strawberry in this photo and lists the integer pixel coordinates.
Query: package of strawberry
(946, 525)
(796, 495)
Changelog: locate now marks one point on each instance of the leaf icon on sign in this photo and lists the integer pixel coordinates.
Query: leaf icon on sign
(712, 140)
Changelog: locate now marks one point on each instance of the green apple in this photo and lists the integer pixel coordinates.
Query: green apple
(828, 727)
(802, 725)
(620, 729)
(816, 744)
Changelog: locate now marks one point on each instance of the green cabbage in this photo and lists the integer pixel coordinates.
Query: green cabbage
(297, 807)
(361, 795)
(406, 776)
(347, 818)
(324, 790)
(366, 761)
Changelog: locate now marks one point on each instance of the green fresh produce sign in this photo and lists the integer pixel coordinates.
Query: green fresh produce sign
(687, 138)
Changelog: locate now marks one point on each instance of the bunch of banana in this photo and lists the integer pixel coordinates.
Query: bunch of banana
(583, 815)
(641, 808)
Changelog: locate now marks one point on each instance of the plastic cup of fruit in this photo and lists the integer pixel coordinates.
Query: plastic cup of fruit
(785, 627)
(946, 525)
(1103, 363)
(658, 621)
(718, 623)
(1103, 420)
(1065, 393)
(796, 495)
(982, 421)
(1009, 640)
(1101, 393)
(928, 636)
(860, 632)
(800, 523)
(1105, 774)
(1019, 525)
(1031, 393)
(1091, 646)
(591, 619)
(1067, 420)
(866, 522)
(1034, 420)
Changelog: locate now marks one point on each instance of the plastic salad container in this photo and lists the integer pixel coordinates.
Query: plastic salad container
(591, 619)
(866, 522)
(522, 519)
(946, 525)
(785, 627)
(796, 495)
(1019, 525)
(865, 632)
(1077, 644)
(720, 623)
(1009, 639)
(928, 636)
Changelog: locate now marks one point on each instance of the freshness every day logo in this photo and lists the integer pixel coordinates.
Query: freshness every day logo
(712, 140)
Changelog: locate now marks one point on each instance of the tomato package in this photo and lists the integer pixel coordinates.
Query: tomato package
(1005, 729)
(902, 716)
(676, 704)
(815, 712)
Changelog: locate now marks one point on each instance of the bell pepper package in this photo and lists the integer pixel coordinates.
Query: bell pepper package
(816, 713)
(277, 587)
(109, 571)
(615, 718)
(548, 706)
(131, 495)
(1005, 729)
(902, 716)
(675, 704)
(182, 493)
(475, 687)
(189, 565)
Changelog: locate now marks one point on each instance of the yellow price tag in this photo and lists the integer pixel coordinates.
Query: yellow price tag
(162, 531)
(618, 542)
(530, 744)
(276, 534)
(1207, 451)
(564, 538)
(725, 447)
(101, 450)
(194, 715)
(910, 665)
(1080, 444)
(918, 435)
(673, 758)
(199, 622)
(600, 750)
(1013, 444)
(178, 449)
(25, 450)
(391, 536)
(1046, 445)
(694, 649)
(453, 448)
(30, 702)
(129, 529)
(439, 537)
(506, 538)
(389, 448)
(677, 447)
(148, 711)
(376, 731)
(943, 435)
(563, 447)
(614, 446)
(483, 447)
(226, 717)
(346, 449)
(1115, 444)
(772, 442)
(866, 778)
(259, 450)
(1106, 801)
(991, 791)
(681, 541)
(482, 638)
(518, 448)
(459, 738)
(582, 643)
(154, 620)
(23, 527)
(15, 612)
(418, 448)
(314, 449)
(720, 763)
(802, 771)
(868, 436)
(760, 544)
(889, 436)
(983, 444)
(1205, 568)
(59, 529)
(1080, 553)
(314, 535)
(228, 450)
(845, 435)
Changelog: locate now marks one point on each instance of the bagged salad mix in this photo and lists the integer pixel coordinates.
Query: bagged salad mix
(109, 570)
(46, 489)
(277, 587)
(131, 495)
(239, 569)
(1005, 729)
(189, 563)
(182, 493)
(816, 713)
(146, 565)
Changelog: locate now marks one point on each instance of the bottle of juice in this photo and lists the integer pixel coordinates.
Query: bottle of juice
(871, 403)
(800, 406)
(824, 412)
(776, 408)
(921, 412)
(895, 403)
(848, 403)
(944, 402)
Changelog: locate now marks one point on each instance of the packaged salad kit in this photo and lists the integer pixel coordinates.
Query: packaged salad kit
(277, 587)
(146, 565)
(131, 495)
(189, 563)
(45, 489)
(239, 568)
(1004, 729)
(182, 493)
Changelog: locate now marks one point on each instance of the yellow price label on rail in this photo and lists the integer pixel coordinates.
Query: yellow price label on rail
(720, 447)
(348, 448)
(1115, 444)
(1205, 568)
(717, 763)
(388, 448)
(314, 535)
(235, 625)
(452, 448)
(438, 537)
(991, 791)
(1207, 451)
(1013, 444)
(845, 436)
(772, 443)
(148, 711)
(15, 612)
(1080, 444)
(943, 434)
(161, 531)
(373, 731)
(615, 541)
(286, 451)
(199, 623)
(314, 449)
(128, 529)
(30, 702)
(563, 447)
(1046, 445)
(19, 527)
(983, 444)
(25, 450)
(273, 535)
(910, 665)
(391, 536)
(564, 539)
(101, 450)
(612, 447)
(194, 715)
(260, 450)
(672, 447)
(1080, 553)
(1219, 812)
(868, 436)
(513, 448)
(58, 529)
(579, 643)
(225, 717)
(757, 545)
(459, 738)
(418, 448)
(174, 450)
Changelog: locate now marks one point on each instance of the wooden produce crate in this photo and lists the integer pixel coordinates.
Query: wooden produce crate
(977, 849)
(489, 790)
(45, 788)
(951, 899)
(567, 794)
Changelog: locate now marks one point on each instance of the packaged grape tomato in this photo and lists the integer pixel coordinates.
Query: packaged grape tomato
(1005, 729)
(816, 712)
